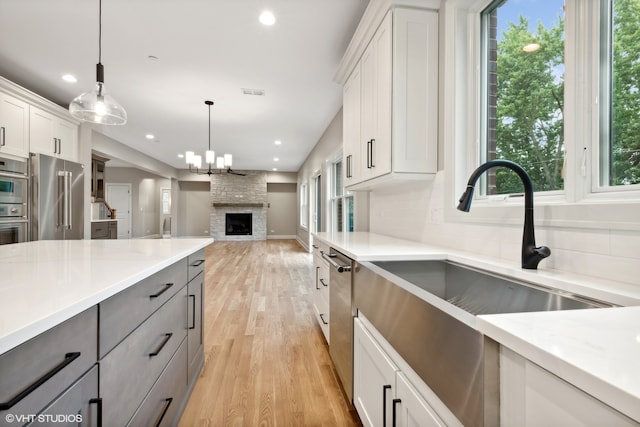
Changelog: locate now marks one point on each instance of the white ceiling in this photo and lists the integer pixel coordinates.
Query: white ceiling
(206, 49)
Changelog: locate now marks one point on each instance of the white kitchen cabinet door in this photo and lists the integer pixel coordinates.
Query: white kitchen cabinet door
(375, 126)
(531, 396)
(374, 379)
(52, 135)
(411, 410)
(14, 126)
(351, 153)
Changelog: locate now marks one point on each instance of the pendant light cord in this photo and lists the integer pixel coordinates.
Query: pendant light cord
(100, 31)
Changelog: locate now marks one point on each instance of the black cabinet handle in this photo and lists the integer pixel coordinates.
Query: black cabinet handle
(164, 411)
(315, 246)
(317, 279)
(197, 263)
(323, 284)
(395, 405)
(161, 291)
(384, 404)
(322, 318)
(369, 154)
(193, 312)
(98, 401)
(164, 342)
(68, 358)
(372, 142)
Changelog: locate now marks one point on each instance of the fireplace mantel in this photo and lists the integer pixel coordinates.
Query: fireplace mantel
(239, 205)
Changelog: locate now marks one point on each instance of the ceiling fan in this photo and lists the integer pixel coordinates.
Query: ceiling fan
(231, 171)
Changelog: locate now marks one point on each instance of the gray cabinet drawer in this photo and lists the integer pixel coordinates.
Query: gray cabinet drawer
(196, 263)
(195, 336)
(58, 356)
(123, 312)
(74, 407)
(163, 401)
(129, 370)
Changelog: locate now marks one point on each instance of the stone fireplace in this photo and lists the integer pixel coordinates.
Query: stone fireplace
(242, 197)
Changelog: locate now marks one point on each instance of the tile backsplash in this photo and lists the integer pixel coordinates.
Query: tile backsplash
(416, 213)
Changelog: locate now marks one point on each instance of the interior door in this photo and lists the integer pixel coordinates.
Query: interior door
(119, 198)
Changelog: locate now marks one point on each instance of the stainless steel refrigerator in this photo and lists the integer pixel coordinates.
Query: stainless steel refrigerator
(57, 198)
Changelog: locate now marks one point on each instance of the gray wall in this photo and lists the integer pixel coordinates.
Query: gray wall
(145, 198)
(282, 214)
(194, 209)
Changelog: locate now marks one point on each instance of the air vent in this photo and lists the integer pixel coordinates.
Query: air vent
(253, 92)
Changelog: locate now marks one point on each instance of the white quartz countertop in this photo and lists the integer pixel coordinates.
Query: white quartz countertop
(45, 283)
(597, 350)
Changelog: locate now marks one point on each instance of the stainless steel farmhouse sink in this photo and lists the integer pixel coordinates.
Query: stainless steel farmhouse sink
(426, 310)
(479, 292)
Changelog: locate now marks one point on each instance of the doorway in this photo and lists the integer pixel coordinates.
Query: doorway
(119, 197)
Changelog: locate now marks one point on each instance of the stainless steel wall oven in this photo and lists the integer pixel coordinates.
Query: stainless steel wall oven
(14, 186)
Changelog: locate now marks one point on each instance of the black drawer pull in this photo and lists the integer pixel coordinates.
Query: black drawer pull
(323, 284)
(164, 411)
(322, 318)
(193, 312)
(164, 342)
(395, 414)
(161, 291)
(97, 400)
(198, 263)
(68, 358)
(384, 404)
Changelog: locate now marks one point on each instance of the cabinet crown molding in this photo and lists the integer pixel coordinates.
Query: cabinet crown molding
(371, 19)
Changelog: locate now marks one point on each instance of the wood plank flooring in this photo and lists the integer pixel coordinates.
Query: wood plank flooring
(266, 360)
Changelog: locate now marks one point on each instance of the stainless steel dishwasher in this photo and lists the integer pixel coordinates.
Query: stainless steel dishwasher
(341, 313)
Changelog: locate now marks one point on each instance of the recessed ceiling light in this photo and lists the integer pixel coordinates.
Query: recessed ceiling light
(153, 57)
(267, 18)
(274, 169)
(180, 156)
(278, 142)
(275, 159)
(69, 78)
(149, 136)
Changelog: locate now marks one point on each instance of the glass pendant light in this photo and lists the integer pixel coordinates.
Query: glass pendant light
(97, 106)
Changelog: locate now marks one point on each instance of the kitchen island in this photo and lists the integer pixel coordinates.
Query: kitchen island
(125, 308)
(577, 367)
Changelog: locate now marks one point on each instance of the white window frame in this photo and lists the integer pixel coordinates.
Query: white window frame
(582, 204)
(333, 199)
(313, 201)
(304, 206)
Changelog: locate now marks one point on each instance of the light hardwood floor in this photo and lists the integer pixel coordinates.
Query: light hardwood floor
(266, 360)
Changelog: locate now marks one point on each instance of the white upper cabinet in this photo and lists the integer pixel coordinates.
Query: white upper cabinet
(52, 135)
(390, 130)
(14, 126)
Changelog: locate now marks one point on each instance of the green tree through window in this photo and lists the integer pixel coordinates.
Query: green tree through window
(525, 100)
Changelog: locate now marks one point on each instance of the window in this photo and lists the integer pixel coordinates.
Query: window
(524, 96)
(582, 149)
(304, 207)
(620, 92)
(316, 209)
(536, 107)
(341, 200)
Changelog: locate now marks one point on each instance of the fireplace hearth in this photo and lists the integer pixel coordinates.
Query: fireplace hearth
(238, 224)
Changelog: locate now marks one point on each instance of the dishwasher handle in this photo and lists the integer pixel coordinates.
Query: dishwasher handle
(340, 267)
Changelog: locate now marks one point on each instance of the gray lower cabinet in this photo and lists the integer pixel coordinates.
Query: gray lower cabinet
(195, 332)
(160, 408)
(129, 371)
(33, 374)
(75, 407)
(131, 360)
(125, 311)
